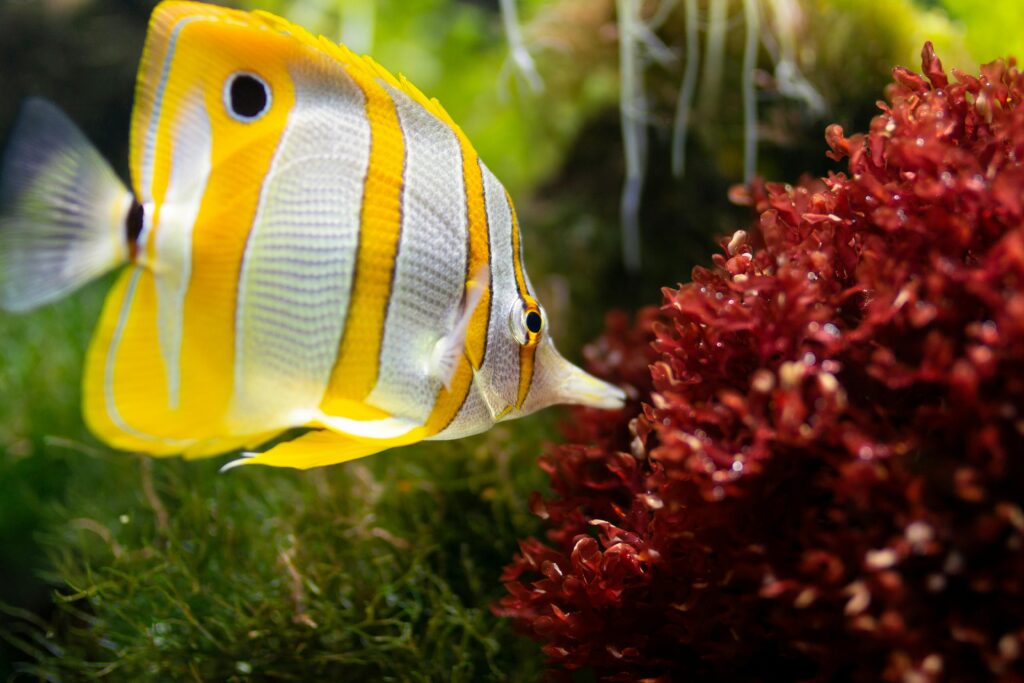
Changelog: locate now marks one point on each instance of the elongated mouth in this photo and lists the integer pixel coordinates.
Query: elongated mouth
(582, 388)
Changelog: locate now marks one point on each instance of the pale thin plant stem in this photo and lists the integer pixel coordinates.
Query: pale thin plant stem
(714, 56)
(784, 14)
(101, 531)
(655, 46)
(686, 91)
(646, 36)
(789, 79)
(632, 106)
(300, 616)
(163, 524)
(71, 444)
(753, 19)
(518, 53)
(662, 13)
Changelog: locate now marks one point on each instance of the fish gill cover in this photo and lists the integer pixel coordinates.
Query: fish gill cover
(820, 476)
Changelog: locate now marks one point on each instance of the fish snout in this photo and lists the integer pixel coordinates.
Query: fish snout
(557, 381)
(582, 388)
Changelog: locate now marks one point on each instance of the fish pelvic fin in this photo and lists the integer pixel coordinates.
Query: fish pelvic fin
(64, 213)
(448, 350)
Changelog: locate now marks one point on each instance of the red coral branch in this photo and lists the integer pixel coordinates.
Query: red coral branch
(820, 472)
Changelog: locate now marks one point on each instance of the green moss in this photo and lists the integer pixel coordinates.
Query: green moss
(40, 362)
(379, 569)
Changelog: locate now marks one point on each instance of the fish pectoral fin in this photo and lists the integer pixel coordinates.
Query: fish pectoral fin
(448, 350)
(313, 449)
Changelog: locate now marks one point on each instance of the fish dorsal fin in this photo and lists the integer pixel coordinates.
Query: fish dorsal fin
(151, 84)
(363, 63)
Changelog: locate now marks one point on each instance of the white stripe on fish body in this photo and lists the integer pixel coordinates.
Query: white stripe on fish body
(296, 275)
(190, 171)
(429, 277)
(498, 377)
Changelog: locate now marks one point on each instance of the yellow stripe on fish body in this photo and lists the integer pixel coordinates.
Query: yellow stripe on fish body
(314, 243)
(355, 373)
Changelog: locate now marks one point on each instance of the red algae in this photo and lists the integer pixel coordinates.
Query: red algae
(820, 472)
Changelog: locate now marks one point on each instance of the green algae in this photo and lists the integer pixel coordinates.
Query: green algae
(378, 569)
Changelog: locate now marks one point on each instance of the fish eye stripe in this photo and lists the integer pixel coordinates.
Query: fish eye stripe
(517, 250)
(532, 321)
(247, 97)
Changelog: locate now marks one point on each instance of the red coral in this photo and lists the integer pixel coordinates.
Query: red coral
(824, 479)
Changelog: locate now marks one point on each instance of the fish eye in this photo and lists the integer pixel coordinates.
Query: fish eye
(246, 96)
(526, 320)
(533, 322)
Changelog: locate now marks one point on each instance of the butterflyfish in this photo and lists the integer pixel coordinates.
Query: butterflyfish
(308, 241)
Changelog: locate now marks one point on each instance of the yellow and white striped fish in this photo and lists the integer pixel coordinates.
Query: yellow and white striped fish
(310, 242)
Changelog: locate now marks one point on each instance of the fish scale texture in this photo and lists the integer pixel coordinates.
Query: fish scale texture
(300, 256)
(819, 475)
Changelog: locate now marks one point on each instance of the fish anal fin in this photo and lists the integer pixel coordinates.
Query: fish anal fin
(313, 449)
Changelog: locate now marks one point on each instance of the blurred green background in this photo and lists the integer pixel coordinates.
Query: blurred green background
(121, 568)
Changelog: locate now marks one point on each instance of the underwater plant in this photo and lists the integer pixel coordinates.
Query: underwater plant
(818, 474)
(650, 34)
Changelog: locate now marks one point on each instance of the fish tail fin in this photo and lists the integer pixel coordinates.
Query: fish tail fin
(63, 210)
